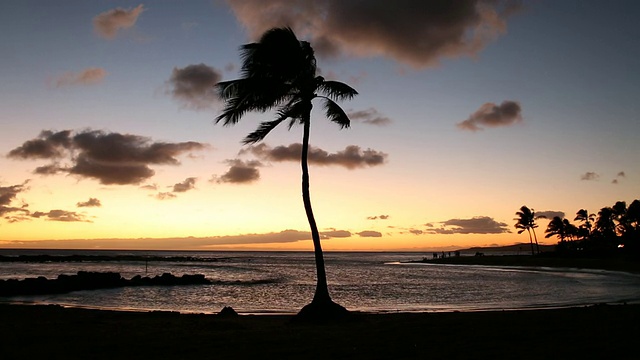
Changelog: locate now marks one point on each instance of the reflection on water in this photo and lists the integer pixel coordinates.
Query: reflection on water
(262, 282)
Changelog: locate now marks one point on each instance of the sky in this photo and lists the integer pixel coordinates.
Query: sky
(466, 111)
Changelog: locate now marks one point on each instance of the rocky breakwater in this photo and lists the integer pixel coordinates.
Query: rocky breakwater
(85, 280)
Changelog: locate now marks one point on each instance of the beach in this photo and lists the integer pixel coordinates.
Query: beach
(591, 332)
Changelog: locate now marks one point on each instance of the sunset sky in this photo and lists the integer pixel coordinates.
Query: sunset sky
(466, 111)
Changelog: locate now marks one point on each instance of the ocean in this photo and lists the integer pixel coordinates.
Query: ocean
(283, 282)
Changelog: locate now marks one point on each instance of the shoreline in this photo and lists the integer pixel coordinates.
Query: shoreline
(48, 331)
(559, 263)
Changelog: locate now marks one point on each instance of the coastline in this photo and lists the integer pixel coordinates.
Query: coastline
(560, 263)
(597, 331)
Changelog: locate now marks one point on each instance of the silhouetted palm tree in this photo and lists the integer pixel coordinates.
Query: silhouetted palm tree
(564, 230)
(556, 227)
(279, 73)
(604, 235)
(631, 235)
(587, 221)
(526, 220)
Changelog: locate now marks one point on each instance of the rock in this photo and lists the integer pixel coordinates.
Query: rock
(228, 312)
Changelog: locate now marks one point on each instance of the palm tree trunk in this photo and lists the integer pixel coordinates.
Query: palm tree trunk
(536, 239)
(531, 241)
(322, 290)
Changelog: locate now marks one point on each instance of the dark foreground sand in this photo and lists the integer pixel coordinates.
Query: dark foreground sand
(52, 332)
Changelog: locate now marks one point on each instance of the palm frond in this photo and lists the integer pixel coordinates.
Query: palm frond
(261, 132)
(335, 114)
(294, 109)
(337, 90)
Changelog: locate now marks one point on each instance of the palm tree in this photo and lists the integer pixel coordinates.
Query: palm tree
(561, 228)
(526, 220)
(279, 73)
(605, 229)
(586, 219)
(556, 227)
(632, 227)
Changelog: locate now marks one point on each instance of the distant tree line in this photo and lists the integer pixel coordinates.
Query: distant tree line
(613, 230)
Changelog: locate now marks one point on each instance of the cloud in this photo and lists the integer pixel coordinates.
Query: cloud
(92, 202)
(333, 233)
(149, 187)
(8, 195)
(111, 158)
(475, 225)
(48, 145)
(416, 231)
(549, 214)
(186, 185)
(492, 115)
(381, 217)
(351, 157)
(50, 169)
(240, 172)
(414, 32)
(370, 233)
(370, 116)
(165, 196)
(108, 23)
(89, 76)
(620, 175)
(286, 236)
(193, 86)
(60, 215)
(589, 176)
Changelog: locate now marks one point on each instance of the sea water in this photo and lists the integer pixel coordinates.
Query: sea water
(283, 282)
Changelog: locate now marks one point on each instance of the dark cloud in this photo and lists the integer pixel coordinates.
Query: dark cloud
(414, 32)
(149, 187)
(286, 236)
(108, 23)
(370, 116)
(60, 215)
(416, 231)
(50, 169)
(48, 145)
(589, 176)
(333, 233)
(111, 158)
(381, 217)
(89, 76)
(186, 185)
(492, 115)
(165, 196)
(475, 225)
(8, 195)
(549, 214)
(193, 86)
(351, 157)
(92, 202)
(370, 233)
(240, 172)
(620, 175)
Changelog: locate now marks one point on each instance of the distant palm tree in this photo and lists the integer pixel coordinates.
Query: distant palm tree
(561, 228)
(604, 237)
(279, 73)
(631, 235)
(557, 228)
(526, 220)
(587, 221)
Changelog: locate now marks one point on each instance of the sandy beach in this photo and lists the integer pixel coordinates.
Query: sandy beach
(52, 332)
